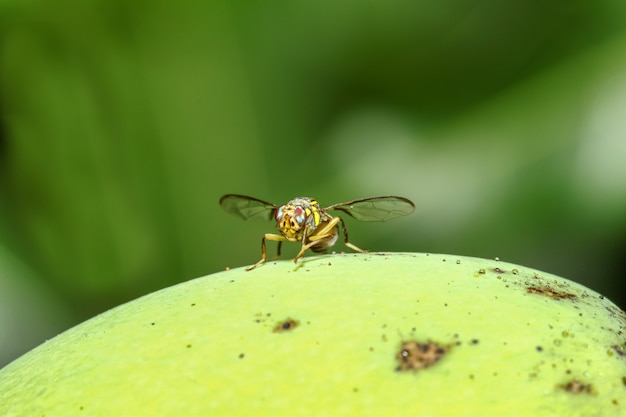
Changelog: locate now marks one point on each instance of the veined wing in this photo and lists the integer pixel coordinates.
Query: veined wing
(376, 209)
(248, 208)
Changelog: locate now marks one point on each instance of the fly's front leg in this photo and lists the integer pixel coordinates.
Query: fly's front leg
(269, 236)
(324, 231)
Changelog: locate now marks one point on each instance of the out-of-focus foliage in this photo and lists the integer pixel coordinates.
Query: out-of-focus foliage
(122, 123)
(29, 311)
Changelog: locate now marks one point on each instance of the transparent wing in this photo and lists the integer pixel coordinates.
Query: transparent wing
(376, 209)
(248, 208)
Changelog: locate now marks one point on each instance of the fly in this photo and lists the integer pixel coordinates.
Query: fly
(302, 219)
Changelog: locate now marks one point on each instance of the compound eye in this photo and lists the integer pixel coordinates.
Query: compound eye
(280, 212)
(298, 215)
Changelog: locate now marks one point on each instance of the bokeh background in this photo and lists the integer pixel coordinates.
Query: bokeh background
(123, 122)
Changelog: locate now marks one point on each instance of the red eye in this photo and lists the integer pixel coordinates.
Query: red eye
(279, 213)
(298, 214)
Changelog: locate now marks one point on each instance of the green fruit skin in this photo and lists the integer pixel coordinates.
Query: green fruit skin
(323, 337)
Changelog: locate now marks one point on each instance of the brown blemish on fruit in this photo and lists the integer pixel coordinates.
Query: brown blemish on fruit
(618, 314)
(620, 350)
(414, 356)
(577, 387)
(286, 325)
(548, 291)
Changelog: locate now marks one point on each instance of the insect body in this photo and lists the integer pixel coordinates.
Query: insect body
(303, 220)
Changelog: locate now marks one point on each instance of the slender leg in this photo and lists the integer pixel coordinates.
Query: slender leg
(325, 231)
(304, 247)
(345, 237)
(269, 236)
(280, 242)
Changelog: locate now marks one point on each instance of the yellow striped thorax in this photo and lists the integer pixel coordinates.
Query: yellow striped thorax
(298, 217)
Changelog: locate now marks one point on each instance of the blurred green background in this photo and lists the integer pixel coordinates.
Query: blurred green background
(123, 122)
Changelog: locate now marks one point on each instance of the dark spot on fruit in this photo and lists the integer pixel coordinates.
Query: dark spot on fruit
(539, 349)
(286, 325)
(549, 292)
(498, 270)
(241, 355)
(619, 350)
(474, 341)
(262, 317)
(414, 356)
(577, 387)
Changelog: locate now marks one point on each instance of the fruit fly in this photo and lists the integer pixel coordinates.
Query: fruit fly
(303, 220)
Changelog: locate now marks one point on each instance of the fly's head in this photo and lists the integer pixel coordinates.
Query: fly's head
(297, 217)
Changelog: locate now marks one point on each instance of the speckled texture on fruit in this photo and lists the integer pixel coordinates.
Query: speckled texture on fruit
(323, 337)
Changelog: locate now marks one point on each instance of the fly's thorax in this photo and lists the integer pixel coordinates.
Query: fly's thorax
(297, 217)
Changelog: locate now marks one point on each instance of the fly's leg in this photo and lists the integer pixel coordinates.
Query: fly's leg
(280, 242)
(269, 236)
(323, 232)
(345, 237)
